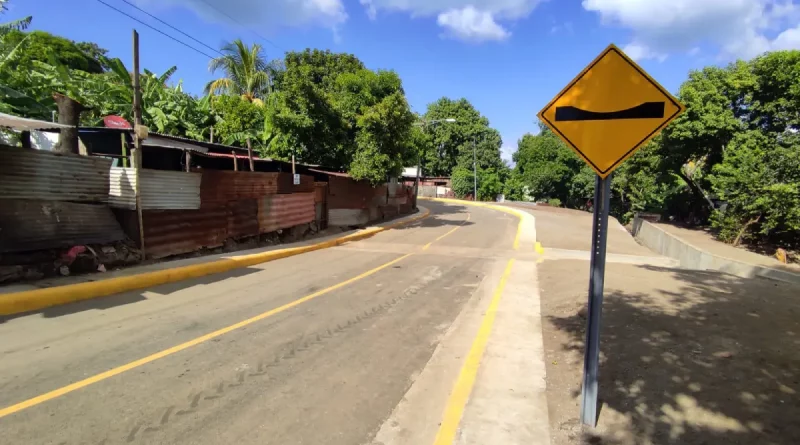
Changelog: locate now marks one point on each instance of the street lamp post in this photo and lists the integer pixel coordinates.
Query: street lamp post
(425, 124)
(474, 172)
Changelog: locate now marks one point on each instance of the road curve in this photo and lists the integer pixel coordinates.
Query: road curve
(316, 348)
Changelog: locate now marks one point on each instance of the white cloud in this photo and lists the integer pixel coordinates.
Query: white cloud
(470, 24)
(739, 28)
(506, 151)
(473, 20)
(270, 14)
(789, 39)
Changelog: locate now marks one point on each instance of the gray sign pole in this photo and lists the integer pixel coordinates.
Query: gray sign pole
(591, 359)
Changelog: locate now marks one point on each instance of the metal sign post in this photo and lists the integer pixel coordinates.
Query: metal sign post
(597, 270)
(610, 110)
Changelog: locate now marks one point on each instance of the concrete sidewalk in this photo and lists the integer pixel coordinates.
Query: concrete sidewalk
(696, 249)
(496, 392)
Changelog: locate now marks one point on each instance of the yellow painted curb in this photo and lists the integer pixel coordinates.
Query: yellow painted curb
(514, 212)
(18, 302)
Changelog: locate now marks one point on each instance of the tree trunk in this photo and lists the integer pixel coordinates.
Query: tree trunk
(696, 189)
(744, 229)
(69, 113)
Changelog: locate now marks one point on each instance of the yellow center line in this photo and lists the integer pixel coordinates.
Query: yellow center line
(194, 342)
(466, 377)
(425, 247)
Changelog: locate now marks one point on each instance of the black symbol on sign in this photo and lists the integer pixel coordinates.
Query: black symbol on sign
(647, 110)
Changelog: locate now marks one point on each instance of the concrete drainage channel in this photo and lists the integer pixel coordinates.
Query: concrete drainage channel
(691, 257)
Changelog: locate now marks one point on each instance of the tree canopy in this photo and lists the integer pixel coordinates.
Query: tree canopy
(41, 46)
(247, 73)
(331, 110)
(733, 159)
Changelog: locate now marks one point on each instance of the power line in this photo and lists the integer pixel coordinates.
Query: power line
(240, 23)
(156, 30)
(174, 28)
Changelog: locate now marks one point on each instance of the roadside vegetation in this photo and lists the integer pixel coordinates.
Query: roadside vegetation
(731, 161)
(322, 107)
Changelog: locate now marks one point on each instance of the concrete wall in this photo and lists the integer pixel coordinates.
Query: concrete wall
(691, 257)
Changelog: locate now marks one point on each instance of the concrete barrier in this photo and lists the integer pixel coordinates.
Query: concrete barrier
(691, 257)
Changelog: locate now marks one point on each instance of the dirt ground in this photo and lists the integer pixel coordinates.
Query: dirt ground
(687, 357)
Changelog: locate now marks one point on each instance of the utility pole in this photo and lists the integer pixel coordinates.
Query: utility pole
(474, 172)
(137, 141)
(250, 155)
(419, 166)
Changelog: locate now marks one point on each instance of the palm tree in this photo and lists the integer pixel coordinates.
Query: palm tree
(247, 73)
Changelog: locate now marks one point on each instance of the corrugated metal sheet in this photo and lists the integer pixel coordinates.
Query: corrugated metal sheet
(220, 187)
(44, 175)
(348, 217)
(320, 192)
(161, 190)
(27, 225)
(121, 188)
(286, 183)
(23, 123)
(171, 232)
(346, 193)
(242, 218)
(284, 211)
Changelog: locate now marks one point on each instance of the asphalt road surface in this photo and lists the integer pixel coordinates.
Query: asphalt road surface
(314, 349)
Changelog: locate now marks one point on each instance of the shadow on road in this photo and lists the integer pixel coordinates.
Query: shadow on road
(124, 298)
(714, 361)
(441, 215)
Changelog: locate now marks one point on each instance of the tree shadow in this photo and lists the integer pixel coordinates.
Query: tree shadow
(441, 215)
(714, 361)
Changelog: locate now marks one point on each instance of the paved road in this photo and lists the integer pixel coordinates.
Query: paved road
(317, 348)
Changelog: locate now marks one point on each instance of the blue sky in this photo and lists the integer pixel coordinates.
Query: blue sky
(508, 57)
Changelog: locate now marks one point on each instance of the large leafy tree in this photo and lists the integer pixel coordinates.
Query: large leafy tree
(238, 120)
(246, 72)
(333, 111)
(43, 46)
(759, 178)
(450, 141)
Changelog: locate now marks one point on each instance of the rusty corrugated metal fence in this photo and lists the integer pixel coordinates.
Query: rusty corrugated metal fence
(284, 211)
(220, 187)
(44, 175)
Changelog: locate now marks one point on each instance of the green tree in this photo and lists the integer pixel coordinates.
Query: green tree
(330, 110)
(238, 120)
(41, 46)
(547, 167)
(247, 73)
(453, 140)
(759, 178)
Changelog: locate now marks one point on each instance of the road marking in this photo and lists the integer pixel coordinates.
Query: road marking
(466, 377)
(175, 349)
(538, 248)
(425, 247)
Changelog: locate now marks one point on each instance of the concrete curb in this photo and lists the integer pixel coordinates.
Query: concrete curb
(692, 257)
(526, 231)
(26, 301)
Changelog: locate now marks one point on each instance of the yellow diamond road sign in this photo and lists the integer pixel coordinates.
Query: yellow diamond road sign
(610, 110)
